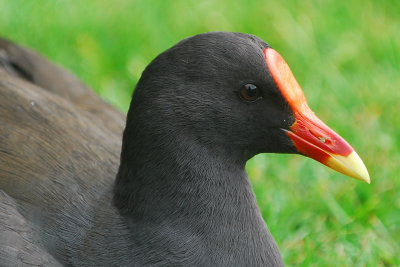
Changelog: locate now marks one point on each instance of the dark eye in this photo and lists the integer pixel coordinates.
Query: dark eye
(250, 92)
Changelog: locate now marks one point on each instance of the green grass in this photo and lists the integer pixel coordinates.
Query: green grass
(346, 56)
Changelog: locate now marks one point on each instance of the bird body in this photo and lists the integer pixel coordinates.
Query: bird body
(180, 197)
(70, 188)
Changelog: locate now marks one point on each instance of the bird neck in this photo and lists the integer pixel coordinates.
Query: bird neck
(181, 176)
(189, 188)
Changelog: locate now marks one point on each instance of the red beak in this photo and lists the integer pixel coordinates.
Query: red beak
(309, 134)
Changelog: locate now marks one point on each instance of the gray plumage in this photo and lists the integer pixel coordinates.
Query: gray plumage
(181, 196)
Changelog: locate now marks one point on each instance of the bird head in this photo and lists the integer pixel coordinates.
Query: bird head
(233, 93)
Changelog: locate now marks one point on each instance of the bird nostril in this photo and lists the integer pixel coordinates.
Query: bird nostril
(320, 138)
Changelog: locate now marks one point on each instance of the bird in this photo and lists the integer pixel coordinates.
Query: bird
(169, 189)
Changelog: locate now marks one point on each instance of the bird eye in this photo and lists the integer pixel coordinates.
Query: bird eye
(250, 92)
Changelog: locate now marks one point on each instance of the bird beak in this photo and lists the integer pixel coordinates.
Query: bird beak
(309, 134)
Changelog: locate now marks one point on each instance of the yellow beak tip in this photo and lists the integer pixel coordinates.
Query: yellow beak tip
(365, 178)
(350, 165)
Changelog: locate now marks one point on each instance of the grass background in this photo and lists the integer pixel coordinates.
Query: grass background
(346, 56)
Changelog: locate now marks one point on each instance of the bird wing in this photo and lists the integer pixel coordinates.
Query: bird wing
(55, 144)
(18, 246)
(29, 65)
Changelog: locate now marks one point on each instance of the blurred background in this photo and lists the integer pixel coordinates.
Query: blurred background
(345, 55)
